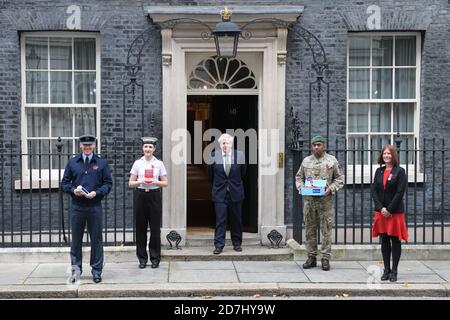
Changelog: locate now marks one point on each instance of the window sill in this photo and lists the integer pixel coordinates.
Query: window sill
(367, 179)
(36, 184)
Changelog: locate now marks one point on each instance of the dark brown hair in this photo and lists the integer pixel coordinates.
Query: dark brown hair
(393, 154)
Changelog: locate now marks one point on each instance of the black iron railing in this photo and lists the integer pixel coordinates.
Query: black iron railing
(427, 208)
(34, 211)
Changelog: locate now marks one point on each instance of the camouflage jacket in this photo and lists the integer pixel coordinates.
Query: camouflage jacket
(326, 168)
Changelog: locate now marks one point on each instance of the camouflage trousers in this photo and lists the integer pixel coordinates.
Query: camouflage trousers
(318, 212)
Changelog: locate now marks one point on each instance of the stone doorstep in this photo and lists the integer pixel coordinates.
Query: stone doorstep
(223, 289)
(370, 252)
(128, 254)
(293, 251)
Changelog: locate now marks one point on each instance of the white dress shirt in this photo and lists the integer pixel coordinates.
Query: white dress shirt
(139, 167)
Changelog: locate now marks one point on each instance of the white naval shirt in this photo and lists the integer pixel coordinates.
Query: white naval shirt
(139, 167)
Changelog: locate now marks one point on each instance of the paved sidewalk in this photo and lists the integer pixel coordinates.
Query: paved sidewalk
(226, 278)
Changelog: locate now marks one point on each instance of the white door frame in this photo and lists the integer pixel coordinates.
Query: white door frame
(271, 119)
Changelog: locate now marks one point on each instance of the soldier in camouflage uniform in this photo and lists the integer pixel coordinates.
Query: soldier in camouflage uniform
(318, 210)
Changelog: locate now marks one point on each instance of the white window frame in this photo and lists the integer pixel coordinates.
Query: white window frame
(367, 179)
(41, 178)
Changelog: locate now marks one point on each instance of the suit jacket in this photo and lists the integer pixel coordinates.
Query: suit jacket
(220, 181)
(96, 177)
(390, 198)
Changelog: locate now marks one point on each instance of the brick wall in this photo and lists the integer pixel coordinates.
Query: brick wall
(120, 22)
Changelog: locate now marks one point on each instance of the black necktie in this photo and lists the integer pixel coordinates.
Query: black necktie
(86, 164)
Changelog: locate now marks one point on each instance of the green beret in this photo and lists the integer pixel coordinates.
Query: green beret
(317, 139)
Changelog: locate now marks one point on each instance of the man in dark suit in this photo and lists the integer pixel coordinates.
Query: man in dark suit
(226, 168)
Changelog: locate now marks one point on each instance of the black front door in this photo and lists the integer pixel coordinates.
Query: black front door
(241, 112)
(221, 112)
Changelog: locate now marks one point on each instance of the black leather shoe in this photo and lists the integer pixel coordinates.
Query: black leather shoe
(310, 263)
(217, 251)
(142, 265)
(155, 264)
(386, 275)
(237, 248)
(325, 265)
(393, 277)
(97, 279)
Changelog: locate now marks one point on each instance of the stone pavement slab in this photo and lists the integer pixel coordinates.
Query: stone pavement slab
(15, 273)
(266, 266)
(56, 270)
(133, 266)
(444, 274)
(419, 278)
(441, 268)
(436, 264)
(337, 275)
(52, 281)
(404, 267)
(202, 276)
(272, 277)
(136, 275)
(338, 264)
(201, 265)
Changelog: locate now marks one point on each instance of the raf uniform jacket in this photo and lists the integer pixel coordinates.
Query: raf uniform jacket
(220, 181)
(390, 198)
(96, 177)
(324, 168)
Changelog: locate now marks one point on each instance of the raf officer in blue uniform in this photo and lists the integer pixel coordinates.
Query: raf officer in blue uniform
(87, 178)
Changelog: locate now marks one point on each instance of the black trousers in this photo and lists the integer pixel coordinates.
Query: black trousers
(79, 217)
(233, 210)
(148, 211)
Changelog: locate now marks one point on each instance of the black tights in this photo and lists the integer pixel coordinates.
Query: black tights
(386, 251)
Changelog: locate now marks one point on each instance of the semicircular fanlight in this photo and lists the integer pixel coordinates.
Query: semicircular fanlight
(221, 73)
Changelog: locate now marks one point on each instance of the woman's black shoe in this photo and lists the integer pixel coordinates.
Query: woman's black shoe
(386, 275)
(393, 277)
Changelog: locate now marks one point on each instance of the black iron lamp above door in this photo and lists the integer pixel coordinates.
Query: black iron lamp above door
(226, 35)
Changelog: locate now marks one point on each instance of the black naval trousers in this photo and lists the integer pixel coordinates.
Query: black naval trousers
(148, 211)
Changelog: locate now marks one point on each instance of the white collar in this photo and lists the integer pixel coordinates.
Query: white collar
(151, 160)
